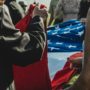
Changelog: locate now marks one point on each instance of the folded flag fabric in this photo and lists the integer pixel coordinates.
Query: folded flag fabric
(66, 37)
(63, 76)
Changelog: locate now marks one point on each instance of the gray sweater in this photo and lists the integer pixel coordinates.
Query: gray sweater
(69, 8)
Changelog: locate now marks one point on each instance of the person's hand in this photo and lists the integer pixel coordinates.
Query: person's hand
(40, 12)
(83, 20)
(2, 2)
(76, 63)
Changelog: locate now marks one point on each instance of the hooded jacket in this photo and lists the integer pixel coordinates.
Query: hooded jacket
(18, 48)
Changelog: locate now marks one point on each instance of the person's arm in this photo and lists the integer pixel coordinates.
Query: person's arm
(80, 10)
(76, 63)
(83, 83)
(36, 45)
(87, 38)
(22, 48)
(58, 9)
(51, 11)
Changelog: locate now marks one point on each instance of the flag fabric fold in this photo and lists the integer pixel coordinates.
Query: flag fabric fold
(66, 37)
(63, 76)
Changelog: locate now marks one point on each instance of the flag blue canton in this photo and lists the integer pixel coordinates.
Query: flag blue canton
(67, 36)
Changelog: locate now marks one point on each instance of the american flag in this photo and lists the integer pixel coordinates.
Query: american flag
(66, 37)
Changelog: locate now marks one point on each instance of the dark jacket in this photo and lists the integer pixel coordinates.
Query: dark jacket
(84, 6)
(18, 48)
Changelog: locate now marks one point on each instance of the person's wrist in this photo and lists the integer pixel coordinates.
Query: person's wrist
(35, 15)
(35, 12)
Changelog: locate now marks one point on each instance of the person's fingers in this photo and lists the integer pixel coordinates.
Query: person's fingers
(40, 12)
(44, 13)
(71, 66)
(35, 11)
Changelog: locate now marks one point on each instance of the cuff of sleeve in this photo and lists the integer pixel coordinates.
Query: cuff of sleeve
(35, 19)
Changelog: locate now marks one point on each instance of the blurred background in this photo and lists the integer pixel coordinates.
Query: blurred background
(46, 2)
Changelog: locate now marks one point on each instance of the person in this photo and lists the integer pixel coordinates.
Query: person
(19, 48)
(69, 8)
(84, 6)
(16, 11)
(26, 78)
(84, 79)
(52, 7)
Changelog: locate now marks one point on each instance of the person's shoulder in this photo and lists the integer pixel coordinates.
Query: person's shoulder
(5, 7)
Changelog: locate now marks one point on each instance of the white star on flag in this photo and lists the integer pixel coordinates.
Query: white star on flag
(80, 33)
(70, 46)
(59, 43)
